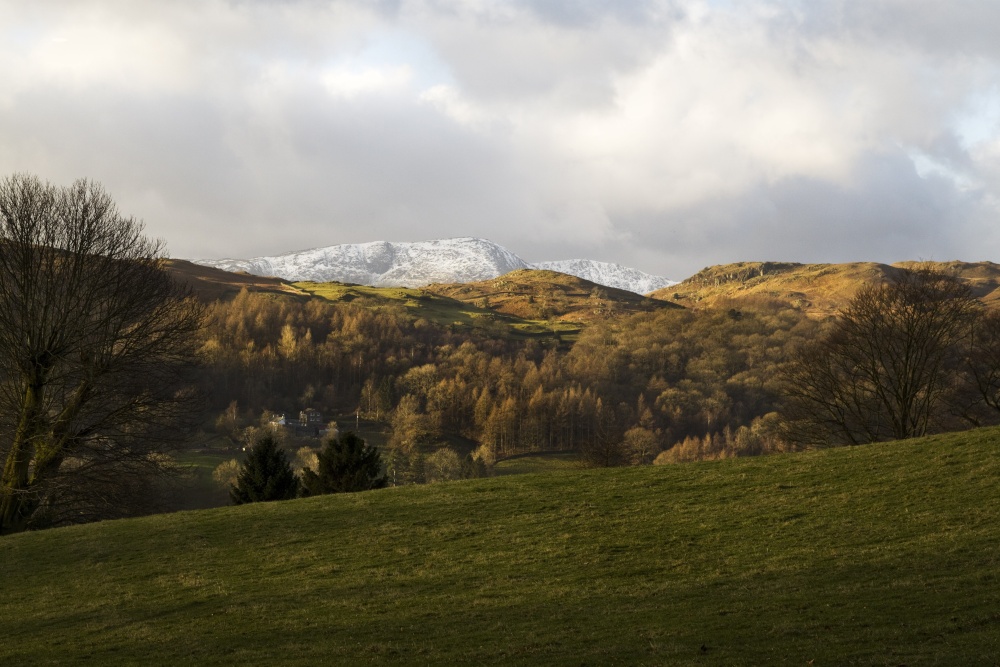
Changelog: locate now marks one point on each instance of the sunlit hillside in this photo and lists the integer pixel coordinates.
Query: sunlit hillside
(818, 290)
(548, 295)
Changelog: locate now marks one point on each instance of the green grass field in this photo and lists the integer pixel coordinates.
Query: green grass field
(195, 489)
(444, 311)
(538, 463)
(878, 555)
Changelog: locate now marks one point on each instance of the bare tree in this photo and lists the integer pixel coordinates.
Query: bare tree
(885, 368)
(606, 448)
(983, 364)
(95, 342)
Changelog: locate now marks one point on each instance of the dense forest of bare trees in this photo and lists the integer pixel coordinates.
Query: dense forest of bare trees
(625, 391)
(916, 355)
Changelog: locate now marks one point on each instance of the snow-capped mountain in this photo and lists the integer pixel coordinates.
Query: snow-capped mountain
(461, 260)
(608, 274)
(385, 264)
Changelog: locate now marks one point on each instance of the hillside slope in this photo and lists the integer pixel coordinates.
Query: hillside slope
(441, 309)
(210, 284)
(871, 555)
(548, 295)
(818, 290)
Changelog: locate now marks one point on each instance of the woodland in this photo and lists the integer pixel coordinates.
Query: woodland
(698, 384)
(912, 354)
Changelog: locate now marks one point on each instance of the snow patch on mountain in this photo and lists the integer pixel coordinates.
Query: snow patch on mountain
(385, 264)
(461, 260)
(608, 274)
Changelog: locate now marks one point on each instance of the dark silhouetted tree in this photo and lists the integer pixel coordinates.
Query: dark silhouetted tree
(885, 368)
(983, 368)
(265, 475)
(96, 345)
(346, 464)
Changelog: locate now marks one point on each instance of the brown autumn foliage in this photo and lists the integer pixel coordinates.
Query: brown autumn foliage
(668, 384)
(817, 290)
(629, 388)
(547, 295)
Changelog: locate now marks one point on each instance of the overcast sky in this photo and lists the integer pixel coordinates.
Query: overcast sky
(664, 135)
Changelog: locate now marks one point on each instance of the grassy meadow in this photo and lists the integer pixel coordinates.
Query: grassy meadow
(879, 555)
(544, 462)
(442, 310)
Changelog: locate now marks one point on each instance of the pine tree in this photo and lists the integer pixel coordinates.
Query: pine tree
(346, 464)
(265, 474)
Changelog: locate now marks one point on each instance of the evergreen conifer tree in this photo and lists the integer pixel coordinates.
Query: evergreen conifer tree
(265, 474)
(346, 464)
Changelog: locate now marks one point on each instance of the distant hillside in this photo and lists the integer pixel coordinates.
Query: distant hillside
(441, 309)
(547, 295)
(982, 277)
(527, 303)
(818, 290)
(210, 283)
(875, 555)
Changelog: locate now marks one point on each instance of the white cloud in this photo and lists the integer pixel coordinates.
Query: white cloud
(350, 83)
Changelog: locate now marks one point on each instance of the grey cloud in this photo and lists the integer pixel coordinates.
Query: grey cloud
(574, 129)
(585, 13)
(132, 142)
(889, 213)
(393, 171)
(956, 27)
(566, 52)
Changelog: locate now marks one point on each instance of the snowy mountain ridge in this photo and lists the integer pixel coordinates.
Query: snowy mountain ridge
(414, 264)
(608, 274)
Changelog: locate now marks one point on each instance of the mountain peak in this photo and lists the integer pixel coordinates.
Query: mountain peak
(414, 264)
(608, 274)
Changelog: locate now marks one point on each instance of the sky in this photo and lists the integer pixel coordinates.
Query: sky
(666, 135)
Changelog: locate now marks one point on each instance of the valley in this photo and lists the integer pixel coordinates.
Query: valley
(553, 539)
(500, 333)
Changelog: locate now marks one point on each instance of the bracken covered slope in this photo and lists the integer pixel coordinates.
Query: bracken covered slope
(819, 290)
(548, 295)
(210, 284)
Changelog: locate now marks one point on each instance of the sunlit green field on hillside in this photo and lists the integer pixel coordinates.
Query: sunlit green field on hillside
(878, 555)
(442, 310)
(539, 463)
